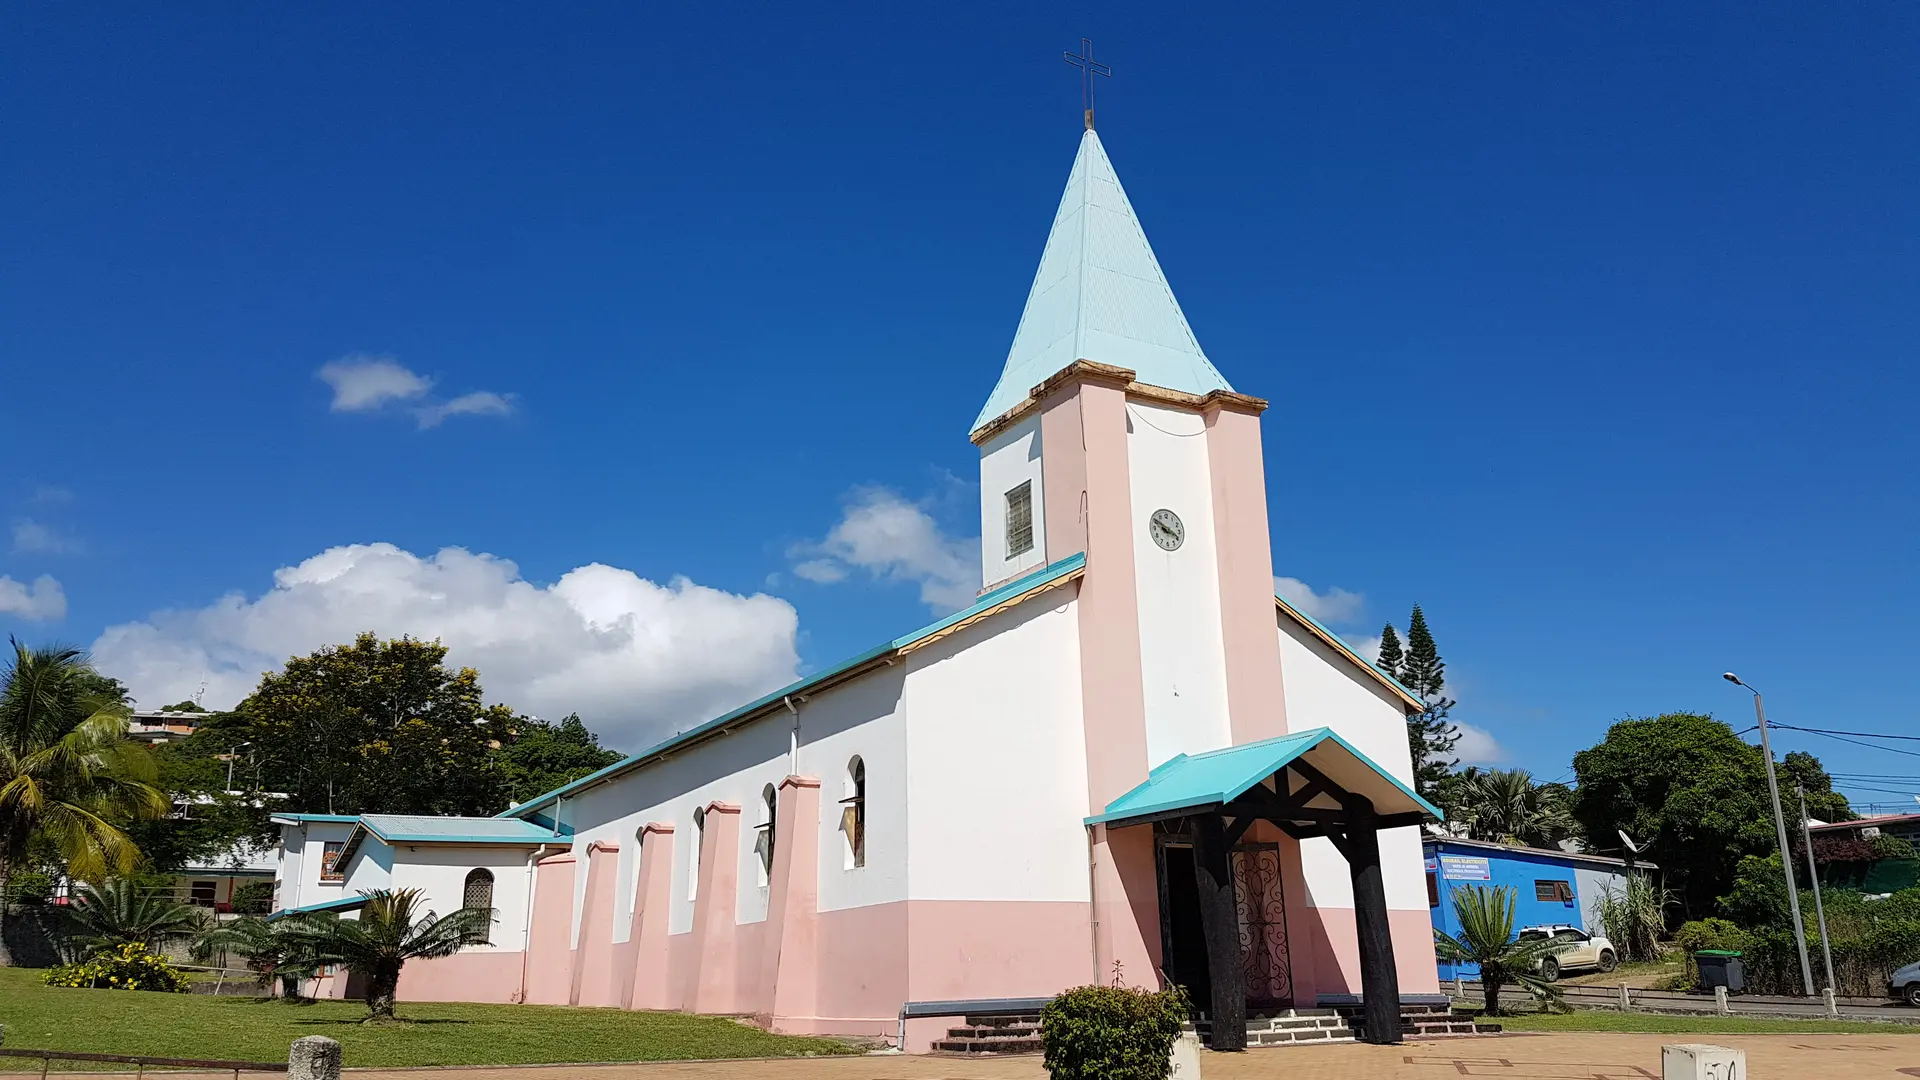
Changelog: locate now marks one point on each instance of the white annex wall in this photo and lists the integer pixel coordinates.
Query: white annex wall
(1183, 662)
(1006, 460)
(297, 880)
(997, 769)
(1325, 689)
(440, 872)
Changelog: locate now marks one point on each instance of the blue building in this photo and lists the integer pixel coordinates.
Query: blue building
(1549, 886)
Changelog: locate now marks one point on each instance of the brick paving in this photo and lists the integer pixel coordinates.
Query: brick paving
(1509, 1057)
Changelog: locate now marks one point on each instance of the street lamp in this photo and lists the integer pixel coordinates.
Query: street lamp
(1780, 830)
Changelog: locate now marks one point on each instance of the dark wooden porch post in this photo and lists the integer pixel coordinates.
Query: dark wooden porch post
(1379, 977)
(1220, 923)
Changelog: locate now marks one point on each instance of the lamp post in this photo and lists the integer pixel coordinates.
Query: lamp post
(1813, 878)
(1780, 830)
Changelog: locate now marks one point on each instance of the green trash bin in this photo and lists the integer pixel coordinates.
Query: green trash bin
(1721, 967)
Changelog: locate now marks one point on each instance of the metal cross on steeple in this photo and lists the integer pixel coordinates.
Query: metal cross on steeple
(1089, 67)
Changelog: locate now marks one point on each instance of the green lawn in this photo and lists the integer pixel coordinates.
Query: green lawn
(42, 1017)
(1587, 1020)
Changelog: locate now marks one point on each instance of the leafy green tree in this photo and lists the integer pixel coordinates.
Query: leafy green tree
(1485, 914)
(70, 779)
(1393, 660)
(188, 705)
(378, 727)
(272, 950)
(1430, 737)
(540, 756)
(209, 823)
(1506, 806)
(126, 911)
(1823, 803)
(1686, 788)
(388, 933)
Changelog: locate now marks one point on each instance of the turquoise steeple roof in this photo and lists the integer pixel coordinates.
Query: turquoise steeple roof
(1099, 295)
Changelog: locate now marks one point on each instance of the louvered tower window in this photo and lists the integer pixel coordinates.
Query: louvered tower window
(1020, 519)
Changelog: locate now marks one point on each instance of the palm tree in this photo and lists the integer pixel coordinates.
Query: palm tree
(1506, 806)
(272, 949)
(123, 911)
(385, 936)
(1486, 938)
(69, 777)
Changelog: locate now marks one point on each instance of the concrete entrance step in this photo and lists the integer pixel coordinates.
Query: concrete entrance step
(1017, 1034)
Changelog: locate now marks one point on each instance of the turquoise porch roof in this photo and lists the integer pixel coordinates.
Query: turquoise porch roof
(1100, 295)
(1202, 781)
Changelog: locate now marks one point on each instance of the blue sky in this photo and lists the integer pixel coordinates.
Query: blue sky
(1591, 330)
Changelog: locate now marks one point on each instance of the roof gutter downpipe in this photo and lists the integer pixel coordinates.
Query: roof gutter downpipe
(526, 930)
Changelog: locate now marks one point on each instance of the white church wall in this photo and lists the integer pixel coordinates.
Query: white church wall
(1007, 460)
(440, 872)
(1183, 662)
(997, 775)
(371, 868)
(1324, 689)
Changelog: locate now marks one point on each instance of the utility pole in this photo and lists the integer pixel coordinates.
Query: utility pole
(1780, 831)
(1813, 875)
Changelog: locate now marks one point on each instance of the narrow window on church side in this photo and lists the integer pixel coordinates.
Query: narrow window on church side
(693, 852)
(853, 814)
(479, 894)
(1020, 519)
(769, 803)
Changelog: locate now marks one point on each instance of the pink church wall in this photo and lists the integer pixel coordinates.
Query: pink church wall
(711, 985)
(1089, 499)
(789, 975)
(482, 975)
(593, 967)
(1243, 549)
(549, 959)
(647, 980)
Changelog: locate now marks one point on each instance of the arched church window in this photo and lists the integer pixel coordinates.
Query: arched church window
(763, 841)
(853, 814)
(478, 892)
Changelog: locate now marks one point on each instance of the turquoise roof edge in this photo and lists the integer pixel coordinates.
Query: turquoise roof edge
(318, 817)
(1298, 743)
(994, 597)
(1322, 627)
(342, 903)
(533, 835)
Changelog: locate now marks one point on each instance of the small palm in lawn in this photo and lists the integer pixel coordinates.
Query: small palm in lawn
(388, 933)
(271, 950)
(1486, 938)
(122, 911)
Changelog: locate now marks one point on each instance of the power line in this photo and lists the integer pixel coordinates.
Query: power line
(1860, 734)
(1857, 742)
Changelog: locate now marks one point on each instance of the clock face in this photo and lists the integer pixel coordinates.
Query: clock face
(1165, 528)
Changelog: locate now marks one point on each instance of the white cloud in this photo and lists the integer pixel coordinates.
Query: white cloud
(637, 659)
(1368, 647)
(1336, 605)
(895, 540)
(478, 403)
(34, 537)
(371, 383)
(365, 383)
(43, 599)
(1477, 746)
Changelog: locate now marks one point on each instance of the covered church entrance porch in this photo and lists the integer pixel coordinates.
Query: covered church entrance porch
(1224, 930)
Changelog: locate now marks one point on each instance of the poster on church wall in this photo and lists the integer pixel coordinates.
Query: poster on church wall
(1465, 868)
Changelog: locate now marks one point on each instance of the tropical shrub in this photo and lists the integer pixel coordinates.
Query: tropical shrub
(388, 933)
(273, 951)
(125, 967)
(1634, 918)
(1487, 939)
(28, 887)
(1112, 1032)
(124, 910)
(252, 898)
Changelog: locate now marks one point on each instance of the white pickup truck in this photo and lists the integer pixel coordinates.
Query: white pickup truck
(1576, 950)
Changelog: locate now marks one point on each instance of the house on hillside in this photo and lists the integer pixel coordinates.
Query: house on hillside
(1550, 886)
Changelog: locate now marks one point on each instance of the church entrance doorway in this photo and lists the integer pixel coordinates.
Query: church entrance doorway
(1260, 911)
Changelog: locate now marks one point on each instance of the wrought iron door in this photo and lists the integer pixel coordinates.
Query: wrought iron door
(1262, 912)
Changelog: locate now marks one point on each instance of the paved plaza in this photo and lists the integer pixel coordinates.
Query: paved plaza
(1509, 1057)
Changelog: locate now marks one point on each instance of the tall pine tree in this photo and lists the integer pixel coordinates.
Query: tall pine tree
(1429, 736)
(1392, 660)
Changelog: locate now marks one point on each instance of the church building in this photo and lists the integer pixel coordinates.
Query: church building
(1126, 760)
